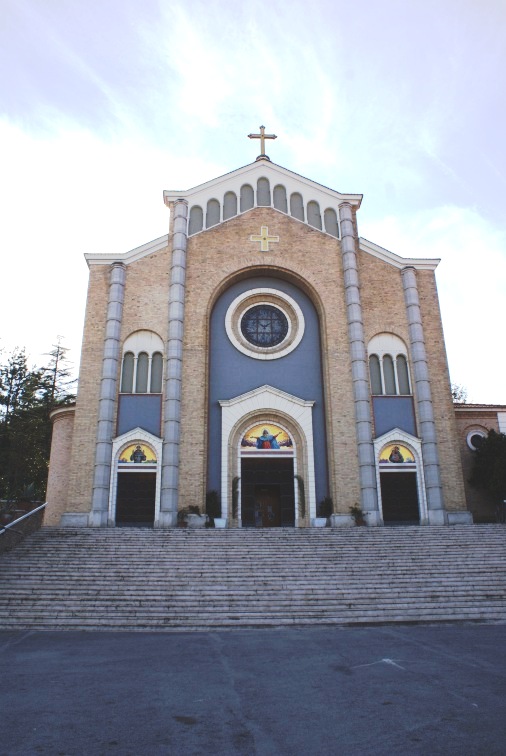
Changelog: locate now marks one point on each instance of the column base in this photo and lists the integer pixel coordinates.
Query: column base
(437, 517)
(74, 520)
(98, 519)
(460, 518)
(341, 521)
(166, 520)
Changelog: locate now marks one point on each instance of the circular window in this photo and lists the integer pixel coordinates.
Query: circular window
(264, 323)
(475, 439)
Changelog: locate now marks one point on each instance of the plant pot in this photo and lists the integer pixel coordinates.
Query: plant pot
(319, 522)
(220, 522)
(196, 521)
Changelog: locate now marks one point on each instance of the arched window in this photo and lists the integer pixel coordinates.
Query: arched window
(247, 198)
(229, 205)
(389, 374)
(156, 373)
(141, 378)
(402, 374)
(196, 223)
(388, 366)
(213, 213)
(279, 196)
(142, 368)
(127, 373)
(263, 192)
(314, 217)
(297, 206)
(375, 371)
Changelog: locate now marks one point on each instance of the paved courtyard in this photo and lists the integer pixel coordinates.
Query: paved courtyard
(375, 690)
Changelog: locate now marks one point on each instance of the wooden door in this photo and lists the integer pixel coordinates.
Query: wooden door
(268, 506)
(135, 499)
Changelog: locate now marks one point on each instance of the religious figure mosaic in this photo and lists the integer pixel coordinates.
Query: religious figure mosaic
(138, 454)
(266, 437)
(395, 454)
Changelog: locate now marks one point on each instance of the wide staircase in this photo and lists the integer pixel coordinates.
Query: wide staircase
(140, 579)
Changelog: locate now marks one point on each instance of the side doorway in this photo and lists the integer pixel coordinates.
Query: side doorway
(135, 499)
(134, 496)
(399, 497)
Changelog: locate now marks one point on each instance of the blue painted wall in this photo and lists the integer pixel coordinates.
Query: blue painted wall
(233, 373)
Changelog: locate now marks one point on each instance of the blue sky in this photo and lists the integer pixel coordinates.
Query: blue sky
(105, 104)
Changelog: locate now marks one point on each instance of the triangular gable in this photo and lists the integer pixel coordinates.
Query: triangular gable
(249, 174)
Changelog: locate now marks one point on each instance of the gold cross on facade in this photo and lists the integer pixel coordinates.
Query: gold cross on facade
(262, 136)
(264, 239)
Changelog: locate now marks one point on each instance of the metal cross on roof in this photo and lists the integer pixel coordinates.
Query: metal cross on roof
(262, 136)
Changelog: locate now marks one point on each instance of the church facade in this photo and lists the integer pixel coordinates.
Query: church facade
(261, 349)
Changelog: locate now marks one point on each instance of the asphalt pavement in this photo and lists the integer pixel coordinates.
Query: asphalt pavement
(364, 690)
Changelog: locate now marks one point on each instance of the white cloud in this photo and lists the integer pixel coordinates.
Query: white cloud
(471, 283)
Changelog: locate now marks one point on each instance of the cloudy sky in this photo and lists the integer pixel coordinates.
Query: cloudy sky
(105, 103)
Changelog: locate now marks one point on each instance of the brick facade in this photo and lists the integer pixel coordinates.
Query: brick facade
(216, 258)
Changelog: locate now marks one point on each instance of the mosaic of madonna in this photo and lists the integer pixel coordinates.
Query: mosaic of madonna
(267, 437)
(396, 454)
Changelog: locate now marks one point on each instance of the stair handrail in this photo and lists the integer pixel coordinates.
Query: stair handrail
(8, 526)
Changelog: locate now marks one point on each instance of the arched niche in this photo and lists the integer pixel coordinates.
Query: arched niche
(297, 206)
(213, 213)
(330, 219)
(314, 217)
(280, 199)
(247, 198)
(196, 222)
(263, 192)
(229, 205)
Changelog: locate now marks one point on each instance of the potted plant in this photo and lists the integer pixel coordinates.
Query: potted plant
(235, 497)
(325, 508)
(213, 509)
(358, 515)
(190, 517)
(302, 496)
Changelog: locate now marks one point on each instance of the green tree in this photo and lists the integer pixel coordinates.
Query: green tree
(489, 469)
(27, 395)
(459, 393)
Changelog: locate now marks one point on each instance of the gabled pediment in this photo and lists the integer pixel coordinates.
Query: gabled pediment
(267, 397)
(262, 184)
(249, 174)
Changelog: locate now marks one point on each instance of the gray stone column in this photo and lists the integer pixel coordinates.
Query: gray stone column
(359, 367)
(108, 397)
(427, 429)
(172, 415)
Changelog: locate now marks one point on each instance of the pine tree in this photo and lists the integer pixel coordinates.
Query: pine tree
(26, 398)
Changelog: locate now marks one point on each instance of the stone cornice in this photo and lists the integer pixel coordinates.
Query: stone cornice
(68, 410)
(419, 263)
(93, 258)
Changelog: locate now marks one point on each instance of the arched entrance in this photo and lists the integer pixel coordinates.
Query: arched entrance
(400, 479)
(267, 477)
(135, 484)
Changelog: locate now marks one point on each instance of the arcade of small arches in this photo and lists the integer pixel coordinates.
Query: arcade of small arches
(231, 205)
(388, 365)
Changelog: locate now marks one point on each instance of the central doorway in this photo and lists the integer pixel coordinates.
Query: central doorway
(267, 492)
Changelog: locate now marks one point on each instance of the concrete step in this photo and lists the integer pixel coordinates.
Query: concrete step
(181, 579)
